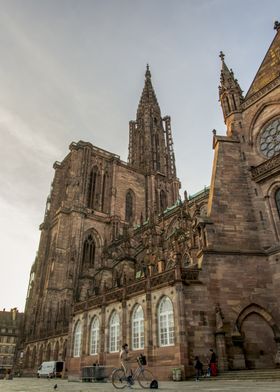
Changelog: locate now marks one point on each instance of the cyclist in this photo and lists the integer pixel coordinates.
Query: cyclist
(126, 362)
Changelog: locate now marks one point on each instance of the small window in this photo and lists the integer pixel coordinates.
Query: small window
(138, 328)
(166, 322)
(114, 339)
(77, 340)
(277, 200)
(94, 336)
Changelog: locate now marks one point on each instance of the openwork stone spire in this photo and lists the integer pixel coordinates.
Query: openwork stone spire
(148, 96)
(150, 137)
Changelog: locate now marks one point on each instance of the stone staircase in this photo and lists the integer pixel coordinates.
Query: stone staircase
(250, 375)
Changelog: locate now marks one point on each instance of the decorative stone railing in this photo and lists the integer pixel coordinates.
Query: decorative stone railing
(266, 169)
(186, 275)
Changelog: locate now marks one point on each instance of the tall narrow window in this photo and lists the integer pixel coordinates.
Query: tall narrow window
(77, 340)
(103, 197)
(277, 200)
(94, 336)
(114, 333)
(163, 201)
(157, 152)
(129, 206)
(92, 188)
(166, 322)
(138, 328)
(89, 250)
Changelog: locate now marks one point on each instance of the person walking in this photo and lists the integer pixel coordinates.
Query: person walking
(198, 368)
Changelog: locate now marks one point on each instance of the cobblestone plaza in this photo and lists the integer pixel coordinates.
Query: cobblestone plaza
(35, 385)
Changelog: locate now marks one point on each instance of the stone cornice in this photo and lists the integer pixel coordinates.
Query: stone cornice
(266, 169)
(261, 93)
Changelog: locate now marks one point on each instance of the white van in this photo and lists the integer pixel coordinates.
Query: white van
(50, 369)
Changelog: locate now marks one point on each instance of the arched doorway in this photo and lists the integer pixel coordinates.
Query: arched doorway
(259, 332)
(40, 356)
(33, 358)
(56, 351)
(48, 353)
(27, 358)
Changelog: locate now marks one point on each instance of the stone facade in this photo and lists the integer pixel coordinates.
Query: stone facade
(11, 323)
(123, 259)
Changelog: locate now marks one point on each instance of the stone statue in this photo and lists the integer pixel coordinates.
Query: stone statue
(219, 318)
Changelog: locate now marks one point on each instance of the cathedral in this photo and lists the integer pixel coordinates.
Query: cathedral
(123, 258)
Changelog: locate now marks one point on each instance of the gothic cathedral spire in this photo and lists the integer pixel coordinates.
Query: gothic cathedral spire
(150, 137)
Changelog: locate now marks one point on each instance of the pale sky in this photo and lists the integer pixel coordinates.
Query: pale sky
(73, 70)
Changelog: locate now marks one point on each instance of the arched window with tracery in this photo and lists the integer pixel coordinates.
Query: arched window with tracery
(163, 200)
(277, 200)
(166, 322)
(137, 328)
(77, 340)
(129, 206)
(93, 188)
(94, 336)
(89, 250)
(114, 333)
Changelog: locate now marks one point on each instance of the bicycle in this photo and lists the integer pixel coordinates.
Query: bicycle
(142, 375)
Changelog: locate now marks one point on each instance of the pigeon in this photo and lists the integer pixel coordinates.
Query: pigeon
(55, 386)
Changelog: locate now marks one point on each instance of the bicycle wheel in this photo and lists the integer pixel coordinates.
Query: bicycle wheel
(119, 379)
(145, 378)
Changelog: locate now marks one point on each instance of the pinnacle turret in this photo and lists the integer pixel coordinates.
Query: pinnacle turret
(230, 93)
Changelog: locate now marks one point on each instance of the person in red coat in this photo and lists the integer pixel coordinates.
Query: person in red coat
(213, 363)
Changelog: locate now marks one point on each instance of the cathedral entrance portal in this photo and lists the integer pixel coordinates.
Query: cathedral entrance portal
(260, 334)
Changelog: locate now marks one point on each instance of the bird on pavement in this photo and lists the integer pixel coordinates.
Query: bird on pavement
(55, 386)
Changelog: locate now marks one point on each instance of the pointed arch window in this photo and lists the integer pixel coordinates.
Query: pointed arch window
(89, 250)
(92, 189)
(77, 340)
(163, 200)
(166, 322)
(94, 336)
(129, 206)
(114, 333)
(277, 200)
(138, 328)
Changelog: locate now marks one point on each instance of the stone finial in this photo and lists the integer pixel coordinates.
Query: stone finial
(222, 56)
(276, 25)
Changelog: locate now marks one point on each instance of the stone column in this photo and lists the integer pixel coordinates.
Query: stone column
(149, 322)
(221, 351)
(102, 347)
